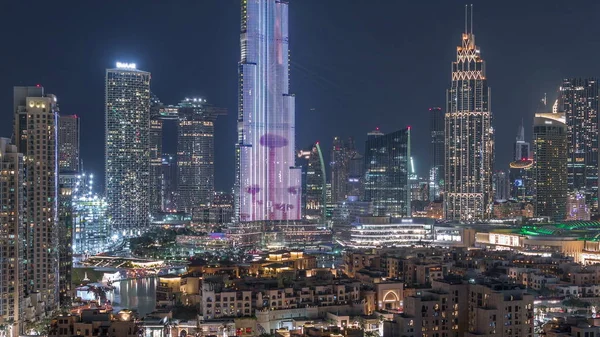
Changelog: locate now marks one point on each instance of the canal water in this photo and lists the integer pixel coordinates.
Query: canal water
(134, 294)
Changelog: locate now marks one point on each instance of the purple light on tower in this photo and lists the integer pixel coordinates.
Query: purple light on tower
(266, 121)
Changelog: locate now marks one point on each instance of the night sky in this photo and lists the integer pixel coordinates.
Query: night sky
(356, 64)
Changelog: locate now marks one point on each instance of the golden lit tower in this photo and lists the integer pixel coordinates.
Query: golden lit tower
(469, 135)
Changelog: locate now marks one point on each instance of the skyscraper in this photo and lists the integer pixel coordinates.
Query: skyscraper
(267, 184)
(313, 184)
(521, 150)
(550, 165)
(436, 172)
(12, 243)
(196, 153)
(69, 163)
(36, 122)
(156, 139)
(387, 160)
(501, 185)
(342, 153)
(67, 182)
(127, 147)
(68, 143)
(578, 99)
(91, 222)
(469, 136)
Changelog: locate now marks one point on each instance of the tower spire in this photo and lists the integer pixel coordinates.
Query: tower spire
(466, 18)
(471, 32)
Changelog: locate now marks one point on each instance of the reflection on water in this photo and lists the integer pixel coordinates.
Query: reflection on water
(134, 294)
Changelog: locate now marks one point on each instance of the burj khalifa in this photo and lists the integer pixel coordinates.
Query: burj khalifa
(268, 185)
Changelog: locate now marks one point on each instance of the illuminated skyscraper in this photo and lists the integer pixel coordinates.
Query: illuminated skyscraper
(12, 243)
(267, 183)
(469, 136)
(387, 161)
(436, 172)
(578, 99)
(91, 221)
(313, 184)
(36, 123)
(195, 153)
(68, 143)
(127, 148)
(550, 165)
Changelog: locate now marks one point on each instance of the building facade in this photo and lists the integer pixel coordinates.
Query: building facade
(12, 243)
(387, 161)
(196, 153)
(36, 122)
(578, 99)
(267, 183)
(469, 136)
(68, 143)
(127, 148)
(438, 143)
(550, 165)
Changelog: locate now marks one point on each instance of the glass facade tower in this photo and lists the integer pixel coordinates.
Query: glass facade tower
(127, 148)
(550, 165)
(387, 160)
(268, 186)
(195, 153)
(469, 137)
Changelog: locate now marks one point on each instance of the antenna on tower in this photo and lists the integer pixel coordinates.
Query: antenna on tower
(466, 16)
(471, 18)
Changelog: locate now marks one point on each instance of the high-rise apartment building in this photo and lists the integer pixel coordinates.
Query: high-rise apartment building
(196, 153)
(313, 184)
(35, 132)
(550, 165)
(387, 161)
(127, 148)
(68, 143)
(267, 183)
(578, 99)
(12, 234)
(436, 172)
(342, 153)
(469, 136)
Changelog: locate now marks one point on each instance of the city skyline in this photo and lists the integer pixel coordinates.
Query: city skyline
(334, 105)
